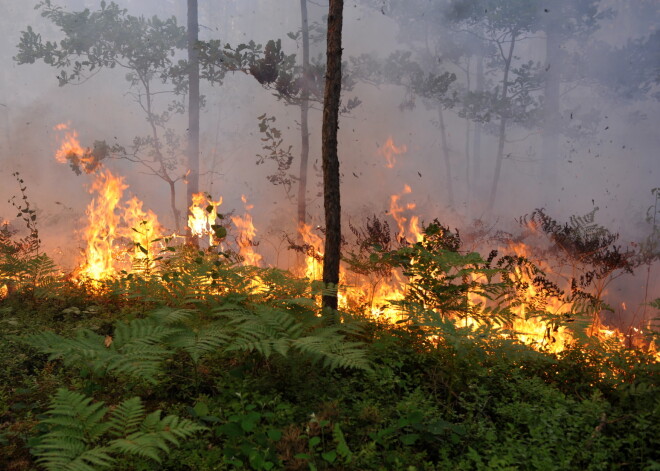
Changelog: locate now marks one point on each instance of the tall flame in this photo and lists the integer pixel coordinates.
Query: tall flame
(202, 216)
(102, 222)
(246, 236)
(105, 215)
(313, 269)
(409, 229)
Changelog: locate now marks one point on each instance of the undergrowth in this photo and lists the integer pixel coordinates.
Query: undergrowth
(208, 365)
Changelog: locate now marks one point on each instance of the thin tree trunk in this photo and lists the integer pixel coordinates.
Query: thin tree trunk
(331, 198)
(502, 131)
(476, 142)
(550, 133)
(468, 157)
(447, 157)
(193, 109)
(159, 154)
(304, 120)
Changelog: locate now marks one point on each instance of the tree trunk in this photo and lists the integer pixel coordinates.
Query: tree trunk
(331, 199)
(447, 157)
(476, 142)
(551, 121)
(502, 131)
(193, 110)
(304, 120)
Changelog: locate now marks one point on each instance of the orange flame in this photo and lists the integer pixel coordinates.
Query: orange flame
(202, 216)
(144, 230)
(409, 229)
(104, 216)
(313, 269)
(101, 231)
(390, 151)
(70, 146)
(245, 239)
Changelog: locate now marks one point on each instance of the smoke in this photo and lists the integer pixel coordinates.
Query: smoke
(605, 153)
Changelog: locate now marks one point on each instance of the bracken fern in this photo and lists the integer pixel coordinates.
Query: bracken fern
(80, 440)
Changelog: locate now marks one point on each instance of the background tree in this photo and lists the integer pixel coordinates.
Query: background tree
(562, 21)
(110, 38)
(304, 116)
(331, 195)
(193, 107)
(513, 99)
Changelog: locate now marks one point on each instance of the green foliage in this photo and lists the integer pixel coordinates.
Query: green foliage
(108, 38)
(275, 151)
(23, 268)
(136, 350)
(78, 439)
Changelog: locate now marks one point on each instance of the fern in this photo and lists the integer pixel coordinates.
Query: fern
(268, 330)
(137, 349)
(79, 440)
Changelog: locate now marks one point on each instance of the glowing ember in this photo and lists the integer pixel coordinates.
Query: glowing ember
(245, 240)
(390, 151)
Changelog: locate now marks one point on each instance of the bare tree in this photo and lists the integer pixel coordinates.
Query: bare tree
(331, 200)
(193, 107)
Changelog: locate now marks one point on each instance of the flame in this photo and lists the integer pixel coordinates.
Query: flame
(102, 255)
(245, 239)
(408, 230)
(390, 151)
(101, 231)
(70, 147)
(313, 269)
(202, 216)
(109, 222)
(144, 230)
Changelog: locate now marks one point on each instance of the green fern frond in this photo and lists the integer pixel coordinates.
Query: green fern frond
(140, 331)
(79, 439)
(126, 418)
(134, 351)
(171, 316)
(155, 436)
(199, 341)
(75, 423)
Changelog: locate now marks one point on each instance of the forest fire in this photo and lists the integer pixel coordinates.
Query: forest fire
(102, 223)
(108, 221)
(110, 224)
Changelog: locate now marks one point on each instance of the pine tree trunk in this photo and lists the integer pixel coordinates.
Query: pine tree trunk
(304, 120)
(193, 108)
(330, 158)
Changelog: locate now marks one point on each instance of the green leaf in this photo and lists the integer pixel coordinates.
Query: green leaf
(329, 456)
(201, 409)
(409, 439)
